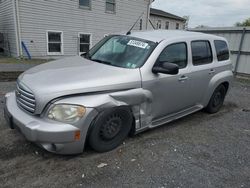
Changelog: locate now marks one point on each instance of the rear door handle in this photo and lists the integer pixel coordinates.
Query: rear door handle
(183, 78)
(212, 71)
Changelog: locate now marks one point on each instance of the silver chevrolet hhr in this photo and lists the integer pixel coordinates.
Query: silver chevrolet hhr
(124, 85)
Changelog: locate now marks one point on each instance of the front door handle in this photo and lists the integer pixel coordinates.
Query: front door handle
(183, 78)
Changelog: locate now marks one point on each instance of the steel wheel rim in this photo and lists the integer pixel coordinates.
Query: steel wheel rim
(111, 128)
(217, 99)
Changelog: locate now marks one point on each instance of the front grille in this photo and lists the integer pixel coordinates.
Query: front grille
(25, 98)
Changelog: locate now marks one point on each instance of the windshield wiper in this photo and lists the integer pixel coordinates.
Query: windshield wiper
(101, 61)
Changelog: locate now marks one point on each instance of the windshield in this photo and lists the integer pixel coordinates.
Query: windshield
(122, 51)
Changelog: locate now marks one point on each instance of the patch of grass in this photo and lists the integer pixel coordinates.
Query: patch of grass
(15, 60)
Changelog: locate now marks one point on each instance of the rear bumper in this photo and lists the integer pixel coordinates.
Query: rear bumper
(53, 136)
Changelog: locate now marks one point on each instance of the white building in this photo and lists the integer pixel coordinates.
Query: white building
(55, 28)
(164, 20)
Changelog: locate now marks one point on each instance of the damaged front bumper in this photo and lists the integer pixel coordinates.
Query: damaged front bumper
(53, 136)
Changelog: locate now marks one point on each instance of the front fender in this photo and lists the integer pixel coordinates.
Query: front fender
(139, 100)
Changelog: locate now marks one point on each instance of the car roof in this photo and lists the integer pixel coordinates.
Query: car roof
(160, 35)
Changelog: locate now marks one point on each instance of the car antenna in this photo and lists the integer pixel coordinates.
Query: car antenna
(129, 32)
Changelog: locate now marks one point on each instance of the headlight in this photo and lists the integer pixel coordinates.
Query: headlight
(66, 113)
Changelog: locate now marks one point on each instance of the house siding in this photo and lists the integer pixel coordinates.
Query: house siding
(172, 22)
(39, 16)
(7, 27)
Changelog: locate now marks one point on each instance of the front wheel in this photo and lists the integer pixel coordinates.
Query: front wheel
(110, 129)
(216, 100)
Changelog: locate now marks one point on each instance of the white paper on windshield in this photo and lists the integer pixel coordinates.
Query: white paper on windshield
(137, 44)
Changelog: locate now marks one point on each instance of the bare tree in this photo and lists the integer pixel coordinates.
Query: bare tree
(187, 22)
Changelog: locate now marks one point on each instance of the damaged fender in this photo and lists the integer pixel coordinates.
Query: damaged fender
(140, 101)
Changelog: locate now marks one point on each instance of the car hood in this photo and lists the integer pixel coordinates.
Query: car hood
(75, 75)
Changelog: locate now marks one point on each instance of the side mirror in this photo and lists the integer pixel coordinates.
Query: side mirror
(166, 68)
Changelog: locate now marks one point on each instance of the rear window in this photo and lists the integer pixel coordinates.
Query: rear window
(201, 52)
(221, 50)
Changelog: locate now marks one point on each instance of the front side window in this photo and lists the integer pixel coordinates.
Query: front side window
(110, 6)
(84, 42)
(221, 50)
(122, 51)
(174, 53)
(201, 52)
(55, 44)
(84, 3)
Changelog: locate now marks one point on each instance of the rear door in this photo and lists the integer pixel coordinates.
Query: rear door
(202, 68)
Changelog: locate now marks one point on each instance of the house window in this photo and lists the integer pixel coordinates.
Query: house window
(54, 42)
(110, 6)
(177, 26)
(167, 25)
(84, 42)
(84, 3)
(159, 24)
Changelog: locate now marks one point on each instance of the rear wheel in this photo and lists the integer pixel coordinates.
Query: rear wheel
(110, 129)
(216, 100)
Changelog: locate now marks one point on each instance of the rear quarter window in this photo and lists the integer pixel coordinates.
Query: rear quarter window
(222, 50)
(201, 52)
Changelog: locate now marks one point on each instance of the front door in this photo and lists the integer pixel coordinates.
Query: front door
(171, 93)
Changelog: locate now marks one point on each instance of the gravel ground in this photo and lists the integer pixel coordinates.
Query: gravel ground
(200, 150)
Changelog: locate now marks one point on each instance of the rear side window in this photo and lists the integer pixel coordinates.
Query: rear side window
(174, 53)
(201, 52)
(221, 50)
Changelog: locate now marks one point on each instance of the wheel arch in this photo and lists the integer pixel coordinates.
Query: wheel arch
(137, 101)
(225, 78)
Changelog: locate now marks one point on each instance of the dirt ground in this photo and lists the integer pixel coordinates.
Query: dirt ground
(200, 150)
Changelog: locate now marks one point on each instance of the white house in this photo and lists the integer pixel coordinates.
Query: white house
(55, 28)
(164, 20)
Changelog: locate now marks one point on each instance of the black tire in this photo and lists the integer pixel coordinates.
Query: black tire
(110, 129)
(216, 100)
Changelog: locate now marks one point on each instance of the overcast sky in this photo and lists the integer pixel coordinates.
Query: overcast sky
(207, 12)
